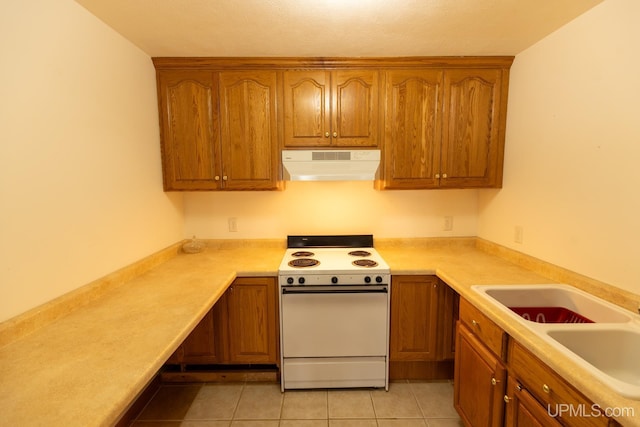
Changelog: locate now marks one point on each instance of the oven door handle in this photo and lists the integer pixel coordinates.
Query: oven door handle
(334, 290)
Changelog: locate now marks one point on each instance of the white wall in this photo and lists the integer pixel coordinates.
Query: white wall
(80, 180)
(331, 208)
(572, 162)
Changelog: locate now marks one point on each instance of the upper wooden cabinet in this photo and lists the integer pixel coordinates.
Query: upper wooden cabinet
(249, 134)
(439, 121)
(413, 128)
(331, 108)
(189, 130)
(218, 130)
(444, 128)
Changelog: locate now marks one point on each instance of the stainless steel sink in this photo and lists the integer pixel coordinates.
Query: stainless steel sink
(608, 348)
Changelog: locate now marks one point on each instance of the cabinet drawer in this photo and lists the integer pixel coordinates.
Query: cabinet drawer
(488, 332)
(551, 389)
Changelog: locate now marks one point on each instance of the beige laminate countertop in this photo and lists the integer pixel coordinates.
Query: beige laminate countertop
(86, 367)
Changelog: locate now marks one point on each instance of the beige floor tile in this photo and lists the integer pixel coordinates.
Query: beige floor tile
(171, 402)
(215, 402)
(302, 405)
(444, 422)
(435, 399)
(304, 423)
(259, 401)
(205, 424)
(255, 423)
(353, 423)
(350, 404)
(405, 422)
(398, 402)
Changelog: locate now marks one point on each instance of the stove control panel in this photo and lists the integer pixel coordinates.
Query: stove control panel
(333, 279)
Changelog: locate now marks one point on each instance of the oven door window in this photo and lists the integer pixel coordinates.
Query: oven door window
(334, 324)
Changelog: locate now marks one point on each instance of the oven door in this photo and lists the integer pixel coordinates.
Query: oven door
(334, 321)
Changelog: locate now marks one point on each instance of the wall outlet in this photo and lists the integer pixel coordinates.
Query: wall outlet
(233, 224)
(518, 234)
(448, 223)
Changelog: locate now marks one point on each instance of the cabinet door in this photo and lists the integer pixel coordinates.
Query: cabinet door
(473, 129)
(188, 129)
(479, 381)
(307, 108)
(523, 410)
(249, 134)
(414, 318)
(203, 345)
(412, 138)
(252, 328)
(355, 108)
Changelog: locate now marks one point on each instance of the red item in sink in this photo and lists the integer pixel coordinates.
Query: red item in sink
(550, 315)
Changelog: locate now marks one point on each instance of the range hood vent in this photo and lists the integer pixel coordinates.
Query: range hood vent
(330, 165)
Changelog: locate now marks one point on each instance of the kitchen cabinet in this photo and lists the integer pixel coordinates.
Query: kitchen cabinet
(189, 131)
(444, 128)
(480, 374)
(540, 396)
(338, 108)
(423, 312)
(241, 328)
(218, 129)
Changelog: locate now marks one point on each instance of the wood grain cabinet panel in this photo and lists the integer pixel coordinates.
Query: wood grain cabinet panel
(249, 134)
(413, 117)
(479, 381)
(337, 108)
(188, 129)
(473, 128)
(444, 128)
(241, 328)
(253, 325)
(218, 130)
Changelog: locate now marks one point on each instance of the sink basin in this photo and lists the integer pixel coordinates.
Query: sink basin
(612, 350)
(608, 348)
(575, 304)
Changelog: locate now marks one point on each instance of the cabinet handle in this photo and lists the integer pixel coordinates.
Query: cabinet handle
(326, 134)
(494, 381)
(546, 388)
(437, 176)
(444, 175)
(217, 178)
(335, 134)
(224, 177)
(506, 399)
(474, 323)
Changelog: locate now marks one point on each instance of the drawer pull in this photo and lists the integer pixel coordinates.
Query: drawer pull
(546, 388)
(474, 323)
(506, 399)
(494, 381)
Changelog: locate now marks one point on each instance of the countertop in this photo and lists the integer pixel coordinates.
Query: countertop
(87, 366)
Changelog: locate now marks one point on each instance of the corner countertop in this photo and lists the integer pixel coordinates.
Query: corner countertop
(85, 368)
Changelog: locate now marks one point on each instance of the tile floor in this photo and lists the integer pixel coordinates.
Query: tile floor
(410, 404)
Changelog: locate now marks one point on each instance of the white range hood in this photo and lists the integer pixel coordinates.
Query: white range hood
(330, 165)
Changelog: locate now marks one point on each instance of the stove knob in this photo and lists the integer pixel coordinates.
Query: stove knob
(367, 279)
(379, 279)
(301, 280)
(290, 280)
(334, 279)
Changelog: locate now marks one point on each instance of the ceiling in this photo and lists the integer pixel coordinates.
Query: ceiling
(325, 28)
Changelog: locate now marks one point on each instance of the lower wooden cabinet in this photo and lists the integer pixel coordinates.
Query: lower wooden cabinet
(241, 328)
(423, 314)
(479, 381)
(557, 402)
(523, 410)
